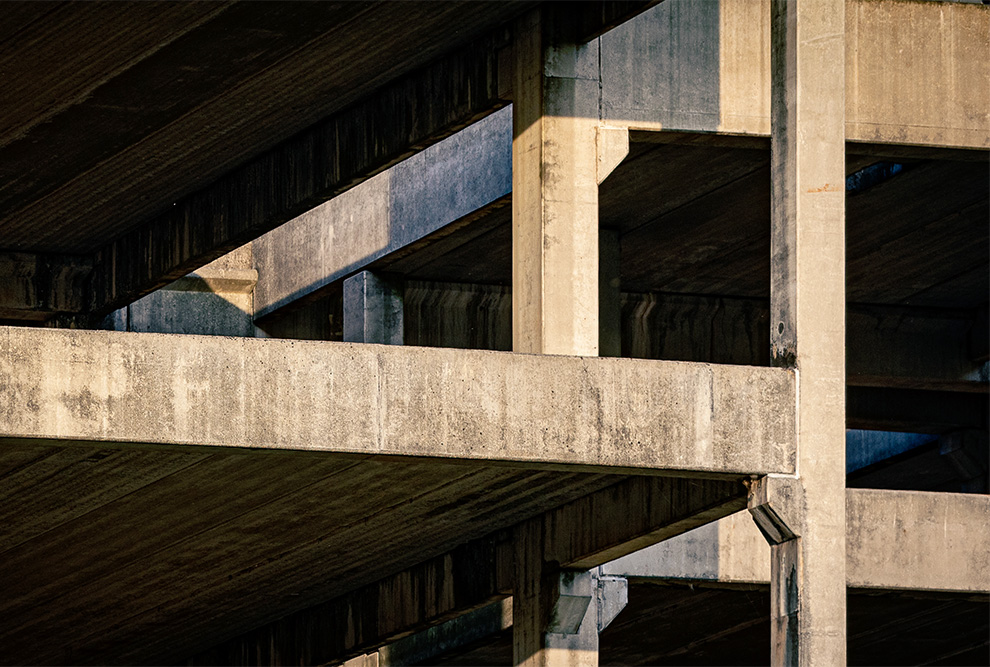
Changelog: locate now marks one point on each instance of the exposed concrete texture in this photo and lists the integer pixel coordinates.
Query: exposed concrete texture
(83, 385)
(554, 187)
(804, 518)
(661, 69)
(372, 309)
(895, 540)
(730, 551)
(916, 72)
(215, 300)
(744, 67)
(389, 211)
(912, 540)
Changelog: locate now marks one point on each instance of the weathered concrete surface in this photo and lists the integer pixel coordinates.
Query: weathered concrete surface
(916, 72)
(913, 540)
(661, 69)
(554, 187)
(394, 209)
(372, 309)
(807, 330)
(895, 540)
(730, 551)
(215, 300)
(150, 388)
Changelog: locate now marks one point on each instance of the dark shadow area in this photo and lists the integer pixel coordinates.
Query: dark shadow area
(697, 625)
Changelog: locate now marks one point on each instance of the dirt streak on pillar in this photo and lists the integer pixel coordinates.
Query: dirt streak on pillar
(556, 102)
(808, 319)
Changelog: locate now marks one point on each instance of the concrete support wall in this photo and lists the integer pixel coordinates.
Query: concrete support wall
(807, 319)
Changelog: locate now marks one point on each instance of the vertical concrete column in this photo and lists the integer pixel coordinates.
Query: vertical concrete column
(372, 310)
(609, 295)
(808, 323)
(554, 187)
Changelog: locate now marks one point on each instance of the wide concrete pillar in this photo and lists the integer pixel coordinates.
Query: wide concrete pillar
(372, 310)
(805, 522)
(554, 187)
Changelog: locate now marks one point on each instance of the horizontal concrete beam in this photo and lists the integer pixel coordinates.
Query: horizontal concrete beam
(93, 386)
(915, 72)
(301, 173)
(912, 540)
(633, 513)
(895, 540)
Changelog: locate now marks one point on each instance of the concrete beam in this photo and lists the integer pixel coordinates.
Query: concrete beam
(116, 387)
(895, 540)
(301, 173)
(217, 300)
(386, 214)
(587, 531)
(912, 540)
(915, 73)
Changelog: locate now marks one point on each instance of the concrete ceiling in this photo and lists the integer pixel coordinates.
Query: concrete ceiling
(165, 552)
(111, 112)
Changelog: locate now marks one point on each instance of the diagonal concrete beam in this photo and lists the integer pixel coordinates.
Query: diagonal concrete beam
(117, 387)
(400, 119)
